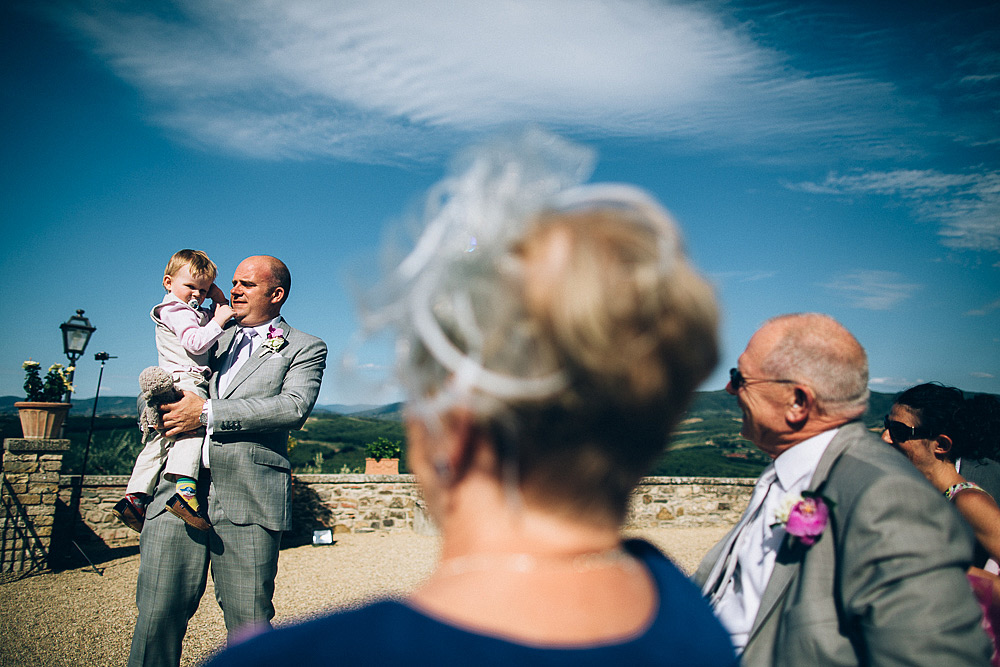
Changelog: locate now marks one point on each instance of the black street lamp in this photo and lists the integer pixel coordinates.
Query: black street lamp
(101, 357)
(76, 332)
(75, 509)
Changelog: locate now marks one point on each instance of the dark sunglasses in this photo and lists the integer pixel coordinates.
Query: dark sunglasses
(738, 381)
(900, 432)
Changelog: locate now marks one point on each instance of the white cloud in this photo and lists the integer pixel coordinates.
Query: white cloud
(742, 276)
(873, 290)
(889, 382)
(394, 80)
(985, 310)
(965, 206)
(983, 375)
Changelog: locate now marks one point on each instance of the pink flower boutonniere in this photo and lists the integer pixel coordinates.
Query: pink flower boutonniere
(275, 339)
(804, 516)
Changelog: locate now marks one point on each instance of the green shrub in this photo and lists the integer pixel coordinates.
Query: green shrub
(383, 448)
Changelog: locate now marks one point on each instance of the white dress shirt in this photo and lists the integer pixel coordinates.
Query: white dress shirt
(757, 547)
(228, 372)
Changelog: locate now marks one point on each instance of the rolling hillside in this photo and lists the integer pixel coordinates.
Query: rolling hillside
(706, 443)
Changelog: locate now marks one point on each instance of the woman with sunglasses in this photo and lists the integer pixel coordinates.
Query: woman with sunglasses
(943, 433)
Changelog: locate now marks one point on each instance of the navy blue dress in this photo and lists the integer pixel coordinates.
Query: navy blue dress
(684, 632)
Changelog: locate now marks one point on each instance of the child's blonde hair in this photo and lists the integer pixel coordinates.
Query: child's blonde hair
(199, 262)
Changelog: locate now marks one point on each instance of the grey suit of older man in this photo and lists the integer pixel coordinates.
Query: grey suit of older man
(885, 583)
(249, 502)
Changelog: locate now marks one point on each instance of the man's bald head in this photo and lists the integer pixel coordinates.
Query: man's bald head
(816, 350)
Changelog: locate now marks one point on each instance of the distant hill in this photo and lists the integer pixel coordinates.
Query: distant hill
(391, 412)
(705, 444)
(125, 406)
(107, 406)
(341, 409)
(706, 404)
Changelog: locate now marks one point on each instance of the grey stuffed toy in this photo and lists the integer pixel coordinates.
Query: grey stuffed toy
(157, 387)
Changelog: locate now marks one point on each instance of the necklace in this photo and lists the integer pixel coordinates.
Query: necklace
(524, 563)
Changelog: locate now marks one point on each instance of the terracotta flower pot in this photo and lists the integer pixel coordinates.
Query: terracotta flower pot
(381, 466)
(41, 420)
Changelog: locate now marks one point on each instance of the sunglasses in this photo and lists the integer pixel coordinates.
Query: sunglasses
(738, 381)
(900, 432)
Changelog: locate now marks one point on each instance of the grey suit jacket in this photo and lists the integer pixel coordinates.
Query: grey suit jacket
(272, 394)
(885, 583)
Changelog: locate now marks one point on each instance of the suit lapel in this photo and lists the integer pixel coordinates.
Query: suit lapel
(787, 564)
(717, 556)
(222, 351)
(253, 363)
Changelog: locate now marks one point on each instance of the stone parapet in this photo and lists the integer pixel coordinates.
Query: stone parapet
(660, 502)
(35, 444)
(393, 503)
(29, 492)
(98, 495)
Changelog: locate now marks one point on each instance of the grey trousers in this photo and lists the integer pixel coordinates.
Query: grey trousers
(173, 570)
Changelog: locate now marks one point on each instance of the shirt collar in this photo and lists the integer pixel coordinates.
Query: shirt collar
(797, 463)
(262, 329)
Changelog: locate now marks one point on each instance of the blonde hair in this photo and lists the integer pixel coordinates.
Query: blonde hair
(565, 318)
(634, 334)
(199, 262)
(631, 332)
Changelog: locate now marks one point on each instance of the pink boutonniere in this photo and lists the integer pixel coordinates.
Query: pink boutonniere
(275, 339)
(804, 516)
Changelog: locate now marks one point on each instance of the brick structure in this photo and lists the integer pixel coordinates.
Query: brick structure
(30, 489)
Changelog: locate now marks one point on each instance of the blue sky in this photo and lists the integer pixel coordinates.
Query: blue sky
(841, 157)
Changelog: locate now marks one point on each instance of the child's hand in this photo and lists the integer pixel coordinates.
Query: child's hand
(222, 314)
(217, 295)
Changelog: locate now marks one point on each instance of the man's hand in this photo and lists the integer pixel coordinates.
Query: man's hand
(182, 416)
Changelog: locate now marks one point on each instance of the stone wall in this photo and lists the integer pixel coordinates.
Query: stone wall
(392, 503)
(30, 485)
(660, 502)
(98, 495)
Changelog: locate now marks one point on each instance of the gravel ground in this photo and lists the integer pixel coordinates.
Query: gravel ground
(76, 617)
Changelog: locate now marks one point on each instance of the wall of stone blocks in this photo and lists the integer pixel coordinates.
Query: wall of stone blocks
(98, 495)
(31, 484)
(660, 502)
(393, 503)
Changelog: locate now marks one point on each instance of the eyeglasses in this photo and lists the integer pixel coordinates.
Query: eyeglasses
(900, 432)
(738, 381)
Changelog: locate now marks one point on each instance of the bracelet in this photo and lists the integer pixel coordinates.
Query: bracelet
(955, 489)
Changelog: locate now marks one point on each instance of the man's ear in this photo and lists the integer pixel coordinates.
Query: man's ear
(803, 402)
(942, 444)
(278, 294)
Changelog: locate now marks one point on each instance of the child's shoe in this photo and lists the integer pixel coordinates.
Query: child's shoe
(131, 510)
(195, 518)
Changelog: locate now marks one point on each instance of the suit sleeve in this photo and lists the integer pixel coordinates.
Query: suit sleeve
(903, 557)
(286, 410)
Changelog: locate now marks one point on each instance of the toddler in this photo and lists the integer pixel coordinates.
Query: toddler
(185, 333)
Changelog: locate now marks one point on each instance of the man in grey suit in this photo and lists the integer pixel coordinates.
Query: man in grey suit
(870, 570)
(267, 381)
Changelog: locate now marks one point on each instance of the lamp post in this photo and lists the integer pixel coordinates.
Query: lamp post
(101, 357)
(76, 332)
(75, 511)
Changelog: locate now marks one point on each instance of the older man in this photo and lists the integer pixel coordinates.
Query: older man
(869, 568)
(266, 382)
